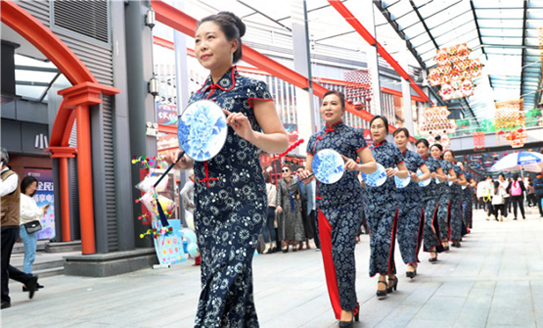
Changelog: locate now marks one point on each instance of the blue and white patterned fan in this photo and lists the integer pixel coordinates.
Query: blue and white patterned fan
(328, 166)
(402, 183)
(202, 130)
(377, 178)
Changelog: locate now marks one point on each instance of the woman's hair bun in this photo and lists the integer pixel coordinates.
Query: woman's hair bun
(236, 20)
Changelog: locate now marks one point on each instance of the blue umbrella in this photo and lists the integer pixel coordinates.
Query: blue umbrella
(522, 160)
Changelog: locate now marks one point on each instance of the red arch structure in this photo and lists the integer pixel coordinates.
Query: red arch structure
(85, 92)
(186, 24)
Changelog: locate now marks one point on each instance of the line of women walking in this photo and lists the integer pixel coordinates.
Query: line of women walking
(417, 214)
(230, 194)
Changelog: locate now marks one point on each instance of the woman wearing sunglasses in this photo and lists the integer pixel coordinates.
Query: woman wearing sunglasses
(340, 204)
(291, 224)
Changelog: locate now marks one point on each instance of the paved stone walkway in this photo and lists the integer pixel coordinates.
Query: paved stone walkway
(494, 280)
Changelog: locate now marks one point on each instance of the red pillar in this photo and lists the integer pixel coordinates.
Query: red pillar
(84, 168)
(79, 98)
(64, 199)
(63, 153)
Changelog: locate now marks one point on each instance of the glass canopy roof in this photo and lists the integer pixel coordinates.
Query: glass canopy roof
(501, 33)
(33, 77)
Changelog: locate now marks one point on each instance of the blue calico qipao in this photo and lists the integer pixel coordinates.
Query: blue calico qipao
(410, 223)
(382, 212)
(339, 215)
(455, 222)
(231, 199)
(430, 197)
(467, 214)
(444, 202)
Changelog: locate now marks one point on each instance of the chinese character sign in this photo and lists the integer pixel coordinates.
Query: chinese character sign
(43, 196)
(478, 140)
(166, 114)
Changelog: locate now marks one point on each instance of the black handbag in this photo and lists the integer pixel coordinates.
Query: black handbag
(33, 226)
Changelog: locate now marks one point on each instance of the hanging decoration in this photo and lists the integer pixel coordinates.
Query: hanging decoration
(510, 123)
(165, 233)
(436, 126)
(478, 140)
(455, 72)
(358, 91)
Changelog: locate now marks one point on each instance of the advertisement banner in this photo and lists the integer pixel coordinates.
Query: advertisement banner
(43, 196)
(166, 114)
(292, 131)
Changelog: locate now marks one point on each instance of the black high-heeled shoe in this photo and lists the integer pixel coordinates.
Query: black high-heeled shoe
(349, 324)
(382, 293)
(411, 274)
(346, 324)
(433, 259)
(356, 312)
(284, 249)
(393, 287)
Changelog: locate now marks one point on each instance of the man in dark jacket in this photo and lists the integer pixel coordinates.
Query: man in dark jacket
(538, 191)
(9, 195)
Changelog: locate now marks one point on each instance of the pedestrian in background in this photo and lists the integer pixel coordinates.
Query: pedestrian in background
(10, 210)
(483, 193)
(309, 223)
(29, 212)
(498, 201)
(538, 192)
(516, 190)
(269, 226)
(506, 198)
(289, 206)
(530, 193)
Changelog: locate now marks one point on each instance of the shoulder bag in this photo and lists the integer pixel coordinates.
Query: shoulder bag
(32, 226)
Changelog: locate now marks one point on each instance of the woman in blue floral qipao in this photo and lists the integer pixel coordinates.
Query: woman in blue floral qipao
(230, 192)
(455, 220)
(443, 213)
(467, 192)
(382, 208)
(410, 218)
(339, 204)
(430, 199)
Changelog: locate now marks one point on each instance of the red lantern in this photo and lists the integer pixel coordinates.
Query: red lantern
(358, 105)
(368, 98)
(349, 101)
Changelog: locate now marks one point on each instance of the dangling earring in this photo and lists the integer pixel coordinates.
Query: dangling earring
(232, 57)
